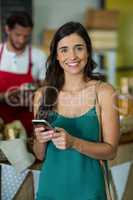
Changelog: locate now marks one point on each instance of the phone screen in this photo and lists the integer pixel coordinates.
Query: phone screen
(42, 122)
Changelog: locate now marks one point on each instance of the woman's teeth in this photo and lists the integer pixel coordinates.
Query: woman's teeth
(72, 64)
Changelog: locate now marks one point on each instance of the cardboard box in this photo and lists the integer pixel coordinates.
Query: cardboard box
(101, 19)
(47, 37)
(103, 39)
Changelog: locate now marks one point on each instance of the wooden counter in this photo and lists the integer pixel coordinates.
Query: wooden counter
(126, 138)
(125, 149)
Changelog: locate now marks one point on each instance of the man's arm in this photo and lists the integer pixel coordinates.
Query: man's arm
(39, 65)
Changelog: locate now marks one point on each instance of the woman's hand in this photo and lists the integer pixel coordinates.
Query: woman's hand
(62, 140)
(43, 135)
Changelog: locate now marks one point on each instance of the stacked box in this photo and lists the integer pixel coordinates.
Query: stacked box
(101, 19)
(47, 38)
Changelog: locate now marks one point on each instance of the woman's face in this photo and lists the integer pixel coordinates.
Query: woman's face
(72, 54)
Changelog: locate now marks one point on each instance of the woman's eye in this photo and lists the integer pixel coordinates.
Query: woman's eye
(63, 50)
(79, 48)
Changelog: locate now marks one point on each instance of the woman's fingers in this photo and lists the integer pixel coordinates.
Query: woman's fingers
(59, 140)
(59, 137)
(57, 129)
(62, 139)
(42, 135)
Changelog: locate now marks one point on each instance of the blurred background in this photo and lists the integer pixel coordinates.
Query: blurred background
(111, 30)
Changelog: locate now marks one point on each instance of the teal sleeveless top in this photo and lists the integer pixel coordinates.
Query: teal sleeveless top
(68, 174)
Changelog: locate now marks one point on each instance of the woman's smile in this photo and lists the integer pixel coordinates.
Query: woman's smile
(73, 64)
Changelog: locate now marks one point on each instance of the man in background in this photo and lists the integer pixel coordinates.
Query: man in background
(20, 64)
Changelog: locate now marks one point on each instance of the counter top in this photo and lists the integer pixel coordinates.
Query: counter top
(126, 138)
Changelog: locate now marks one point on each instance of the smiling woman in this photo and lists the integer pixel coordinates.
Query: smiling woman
(72, 54)
(73, 151)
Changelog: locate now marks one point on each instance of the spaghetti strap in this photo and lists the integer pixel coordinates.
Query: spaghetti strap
(96, 92)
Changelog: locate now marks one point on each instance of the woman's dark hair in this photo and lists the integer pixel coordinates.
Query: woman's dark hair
(21, 18)
(55, 74)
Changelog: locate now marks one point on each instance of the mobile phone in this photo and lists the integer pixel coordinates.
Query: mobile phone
(42, 122)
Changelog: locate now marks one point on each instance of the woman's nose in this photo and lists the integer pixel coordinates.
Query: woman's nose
(72, 54)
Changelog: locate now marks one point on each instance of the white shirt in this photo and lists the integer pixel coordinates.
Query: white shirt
(11, 62)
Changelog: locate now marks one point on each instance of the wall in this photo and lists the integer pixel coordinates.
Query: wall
(125, 48)
(53, 13)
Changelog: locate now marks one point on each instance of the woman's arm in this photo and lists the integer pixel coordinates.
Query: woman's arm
(110, 127)
(38, 147)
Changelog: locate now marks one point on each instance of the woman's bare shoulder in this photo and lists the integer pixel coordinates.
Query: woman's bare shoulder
(107, 92)
(106, 87)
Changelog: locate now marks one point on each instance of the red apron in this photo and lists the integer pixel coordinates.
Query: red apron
(8, 80)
